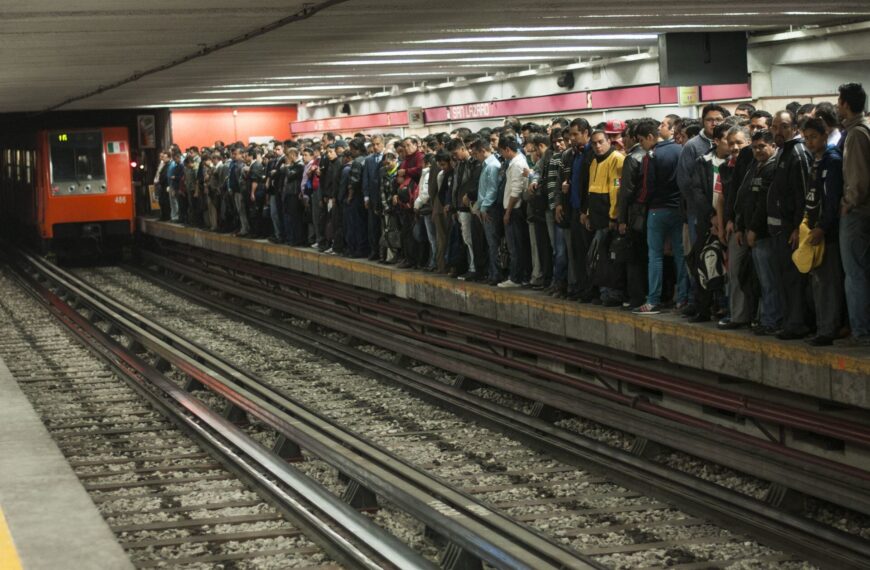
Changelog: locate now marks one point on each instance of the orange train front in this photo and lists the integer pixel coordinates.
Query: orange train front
(72, 188)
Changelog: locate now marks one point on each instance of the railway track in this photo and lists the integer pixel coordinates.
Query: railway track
(740, 429)
(593, 515)
(281, 291)
(175, 492)
(470, 532)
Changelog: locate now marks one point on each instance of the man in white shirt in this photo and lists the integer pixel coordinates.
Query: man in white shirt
(516, 181)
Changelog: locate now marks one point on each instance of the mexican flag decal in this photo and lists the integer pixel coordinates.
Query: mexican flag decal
(116, 147)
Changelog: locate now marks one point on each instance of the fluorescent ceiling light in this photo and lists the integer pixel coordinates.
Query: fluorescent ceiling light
(406, 61)
(298, 88)
(515, 38)
(663, 27)
(460, 51)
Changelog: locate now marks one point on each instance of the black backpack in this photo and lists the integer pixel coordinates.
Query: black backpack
(710, 264)
(601, 263)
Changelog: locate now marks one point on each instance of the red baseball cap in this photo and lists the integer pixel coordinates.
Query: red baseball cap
(614, 126)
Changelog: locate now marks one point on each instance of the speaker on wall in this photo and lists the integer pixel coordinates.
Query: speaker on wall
(565, 80)
(702, 58)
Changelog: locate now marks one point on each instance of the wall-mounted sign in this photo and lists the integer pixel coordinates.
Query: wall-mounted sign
(416, 119)
(689, 96)
(471, 111)
(147, 131)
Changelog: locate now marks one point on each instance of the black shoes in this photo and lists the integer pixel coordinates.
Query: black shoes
(820, 340)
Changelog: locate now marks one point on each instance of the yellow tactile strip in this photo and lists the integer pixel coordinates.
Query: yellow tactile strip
(8, 555)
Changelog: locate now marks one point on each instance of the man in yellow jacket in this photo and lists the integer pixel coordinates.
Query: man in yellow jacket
(599, 213)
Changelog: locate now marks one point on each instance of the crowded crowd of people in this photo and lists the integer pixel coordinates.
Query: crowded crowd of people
(758, 220)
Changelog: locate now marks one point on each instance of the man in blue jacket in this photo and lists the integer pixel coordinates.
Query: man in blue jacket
(174, 176)
(372, 194)
(660, 192)
(822, 213)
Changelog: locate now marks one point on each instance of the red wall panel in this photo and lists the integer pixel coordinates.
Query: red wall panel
(201, 127)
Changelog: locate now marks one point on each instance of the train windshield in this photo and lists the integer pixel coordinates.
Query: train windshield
(77, 156)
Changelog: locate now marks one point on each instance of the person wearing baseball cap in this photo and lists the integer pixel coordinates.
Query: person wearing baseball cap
(614, 129)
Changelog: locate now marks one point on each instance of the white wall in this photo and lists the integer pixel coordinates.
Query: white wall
(631, 73)
(808, 69)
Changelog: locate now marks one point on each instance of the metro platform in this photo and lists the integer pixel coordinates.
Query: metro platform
(47, 519)
(839, 374)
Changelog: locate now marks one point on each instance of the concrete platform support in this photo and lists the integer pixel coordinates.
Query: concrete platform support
(836, 373)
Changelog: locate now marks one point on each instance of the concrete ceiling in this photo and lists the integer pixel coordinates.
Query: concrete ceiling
(57, 52)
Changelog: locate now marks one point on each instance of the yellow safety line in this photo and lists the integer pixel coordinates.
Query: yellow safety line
(8, 555)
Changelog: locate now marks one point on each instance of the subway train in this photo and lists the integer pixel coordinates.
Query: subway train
(68, 191)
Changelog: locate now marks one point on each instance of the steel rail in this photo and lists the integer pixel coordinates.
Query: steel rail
(486, 533)
(808, 538)
(346, 534)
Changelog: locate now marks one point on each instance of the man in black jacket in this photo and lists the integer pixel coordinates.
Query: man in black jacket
(568, 202)
(785, 210)
(742, 303)
(631, 216)
(354, 210)
(291, 190)
(751, 214)
(466, 177)
(330, 172)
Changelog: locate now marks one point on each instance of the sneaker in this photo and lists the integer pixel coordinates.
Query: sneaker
(612, 302)
(526, 284)
(647, 309)
(537, 285)
(699, 318)
(508, 284)
(329, 251)
(469, 276)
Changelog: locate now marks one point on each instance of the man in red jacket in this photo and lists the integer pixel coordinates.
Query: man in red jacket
(408, 180)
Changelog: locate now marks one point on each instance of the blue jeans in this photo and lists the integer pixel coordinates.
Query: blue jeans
(662, 224)
(764, 259)
(855, 251)
(560, 257)
(691, 281)
(173, 205)
(276, 210)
